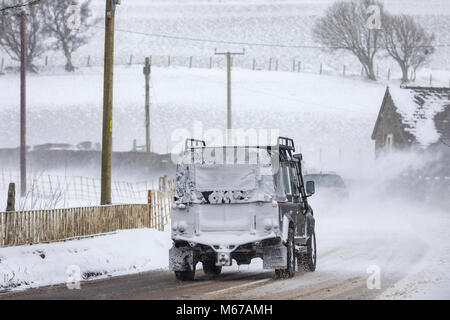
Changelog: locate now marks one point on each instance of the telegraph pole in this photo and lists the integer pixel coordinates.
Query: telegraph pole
(23, 104)
(108, 102)
(147, 71)
(229, 120)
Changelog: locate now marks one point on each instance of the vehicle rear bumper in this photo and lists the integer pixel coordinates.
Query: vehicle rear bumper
(188, 250)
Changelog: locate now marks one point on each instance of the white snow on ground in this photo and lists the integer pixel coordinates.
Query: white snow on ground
(123, 252)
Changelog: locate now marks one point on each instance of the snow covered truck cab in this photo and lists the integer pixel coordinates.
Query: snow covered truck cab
(241, 203)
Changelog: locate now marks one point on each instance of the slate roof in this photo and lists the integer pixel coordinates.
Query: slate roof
(425, 113)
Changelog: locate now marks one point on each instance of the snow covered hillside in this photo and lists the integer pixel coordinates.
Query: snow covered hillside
(322, 113)
(272, 22)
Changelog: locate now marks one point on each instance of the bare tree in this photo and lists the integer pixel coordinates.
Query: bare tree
(61, 24)
(345, 27)
(407, 43)
(10, 32)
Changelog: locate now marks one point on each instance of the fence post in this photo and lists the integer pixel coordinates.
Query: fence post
(150, 208)
(299, 65)
(321, 68)
(270, 64)
(89, 61)
(254, 64)
(276, 65)
(10, 204)
(190, 62)
(168, 61)
(210, 62)
(46, 60)
(293, 65)
(2, 65)
(343, 70)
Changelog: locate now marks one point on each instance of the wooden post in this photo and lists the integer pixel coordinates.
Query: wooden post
(107, 103)
(293, 65)
(89, 61)
(131, 60)
(168, 61)
(321, 67)
(210, 62)
(254, 64)
(149, 201)
(276, 65)
(23, 97)
(190, 62)
(343, 70)
(299, 65)
(11, 202)
(2, 65)
(46, 60)
(147, 71)
(270, 64)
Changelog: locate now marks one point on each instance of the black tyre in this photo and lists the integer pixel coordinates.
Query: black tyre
(307, 260)
(289, 272)
(210, 268)
(187, 275)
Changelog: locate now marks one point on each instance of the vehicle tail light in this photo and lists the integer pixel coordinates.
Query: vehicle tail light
(274, 204)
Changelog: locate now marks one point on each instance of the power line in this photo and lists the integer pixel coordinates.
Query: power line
(251, 44)
(20, 5)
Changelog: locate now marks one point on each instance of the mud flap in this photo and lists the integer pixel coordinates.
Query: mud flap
(275, 257)
(180, 258)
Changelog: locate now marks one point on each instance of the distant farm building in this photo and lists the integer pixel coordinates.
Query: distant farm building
(413, 118)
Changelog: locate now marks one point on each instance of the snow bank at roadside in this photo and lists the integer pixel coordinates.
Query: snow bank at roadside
(123, 252)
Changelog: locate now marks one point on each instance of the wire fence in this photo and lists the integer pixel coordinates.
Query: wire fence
(350, 68)
(68, 189)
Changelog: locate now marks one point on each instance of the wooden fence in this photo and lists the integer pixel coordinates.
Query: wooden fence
(37, 226)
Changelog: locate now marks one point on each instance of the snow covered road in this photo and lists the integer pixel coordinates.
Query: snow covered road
(365, 233)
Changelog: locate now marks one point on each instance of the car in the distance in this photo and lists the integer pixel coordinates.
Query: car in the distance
(329, 185)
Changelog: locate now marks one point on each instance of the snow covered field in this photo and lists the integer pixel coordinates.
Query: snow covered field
(317, 111)
(273, 22)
